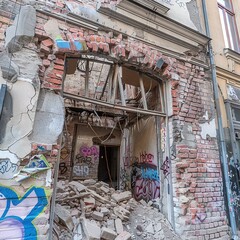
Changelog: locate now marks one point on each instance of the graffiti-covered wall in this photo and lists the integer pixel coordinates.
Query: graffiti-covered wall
(139, 167)
(86, 154)
(31, 121)
(20, 210)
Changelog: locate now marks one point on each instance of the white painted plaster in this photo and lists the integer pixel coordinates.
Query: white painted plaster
(208, 128)
(49, 118)
(24, 95)
(178, 11)
(9, 164)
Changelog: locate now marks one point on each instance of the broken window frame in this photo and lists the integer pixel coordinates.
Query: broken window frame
(115, 84)
(160, 117)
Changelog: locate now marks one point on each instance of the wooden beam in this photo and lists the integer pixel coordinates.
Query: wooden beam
(113, 106)
(108, 80)
(115, 80)
(120, 84)
(143, 91)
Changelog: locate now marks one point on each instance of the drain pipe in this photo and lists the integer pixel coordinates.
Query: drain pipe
(221, 139)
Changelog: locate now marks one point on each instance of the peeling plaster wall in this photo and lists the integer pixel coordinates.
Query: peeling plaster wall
(49, 119)
(25, 91)
(24, 205)
(196, 173)
(183, 11)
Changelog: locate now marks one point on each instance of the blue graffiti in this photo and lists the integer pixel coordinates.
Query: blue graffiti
(17, 214)
(150, 173)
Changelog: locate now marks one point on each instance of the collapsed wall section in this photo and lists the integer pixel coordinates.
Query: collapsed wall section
(195, 166)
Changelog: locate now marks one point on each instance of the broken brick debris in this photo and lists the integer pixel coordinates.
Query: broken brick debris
(91, 210)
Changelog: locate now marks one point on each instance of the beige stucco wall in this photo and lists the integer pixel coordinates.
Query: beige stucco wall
(228, 66)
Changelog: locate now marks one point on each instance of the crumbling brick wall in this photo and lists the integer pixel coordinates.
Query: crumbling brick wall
(197, 178)
(197, 183)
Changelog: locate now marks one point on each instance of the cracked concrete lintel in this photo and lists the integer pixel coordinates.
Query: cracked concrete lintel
(23, 29)
(49, 118)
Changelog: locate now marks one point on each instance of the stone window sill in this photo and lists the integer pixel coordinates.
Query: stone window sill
(230, 54)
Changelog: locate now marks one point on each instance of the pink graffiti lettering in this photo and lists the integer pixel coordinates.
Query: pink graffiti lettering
(146, 158)
(89, 151)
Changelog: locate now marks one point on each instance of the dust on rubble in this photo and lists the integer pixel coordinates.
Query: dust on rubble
(90, 210)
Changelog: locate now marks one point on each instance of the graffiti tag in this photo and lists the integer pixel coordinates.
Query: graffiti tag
(146, 157)
(81, 170)
(89, 151)
(7, 166)
(145, 181)
(165, 167)
(17, 214)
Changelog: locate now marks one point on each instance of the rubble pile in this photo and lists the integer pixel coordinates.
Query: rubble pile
(91, 210)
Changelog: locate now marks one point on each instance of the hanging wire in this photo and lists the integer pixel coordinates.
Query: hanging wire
(110, 134)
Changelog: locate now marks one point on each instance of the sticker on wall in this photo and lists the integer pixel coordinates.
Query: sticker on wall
(37, 163)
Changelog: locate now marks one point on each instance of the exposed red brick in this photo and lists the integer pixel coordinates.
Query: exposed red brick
(46, 63)
(59, 61)
(44, 49)
(59, 67)
(47, 42)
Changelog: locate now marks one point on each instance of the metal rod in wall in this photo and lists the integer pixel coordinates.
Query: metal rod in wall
(75, 132)
(56, 168)
(221, 137)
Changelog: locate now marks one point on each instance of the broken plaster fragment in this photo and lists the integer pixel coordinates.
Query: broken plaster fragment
(10, 70)
(23, 29)
(49, 118)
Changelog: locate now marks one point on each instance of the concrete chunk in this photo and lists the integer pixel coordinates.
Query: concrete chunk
(104, 189)
(10, 70)
(108, 234)
(23, 29)
(65, 216)
(105, 211)
(124, 236)
(91, 229)
(119, 197)
(89, 202)
(80, 187)
(118, 225)
(97, 216)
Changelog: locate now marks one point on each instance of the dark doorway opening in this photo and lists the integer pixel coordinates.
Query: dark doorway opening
(108, 165)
